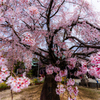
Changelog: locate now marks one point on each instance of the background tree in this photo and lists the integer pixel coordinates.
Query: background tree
(44, 28)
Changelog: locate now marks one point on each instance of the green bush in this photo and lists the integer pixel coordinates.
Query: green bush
(37, 81)
(3, 85)
(64, 82)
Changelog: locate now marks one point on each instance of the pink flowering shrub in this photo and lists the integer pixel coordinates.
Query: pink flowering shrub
(17, 84)
(4, 73)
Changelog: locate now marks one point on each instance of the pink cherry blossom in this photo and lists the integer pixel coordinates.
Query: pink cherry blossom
(57, 62)
(63, 72)
(72, 62)
(70, 82)
(70, 90)
(56, 69)
(33, 10)
(2, 20)
(78, 73)
(76, 91)
(58, 78)
(4, 68)
(18, 83)
(49, 71)
(27, 34)
(60, 89)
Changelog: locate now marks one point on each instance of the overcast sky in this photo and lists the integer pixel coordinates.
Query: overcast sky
(95, 4)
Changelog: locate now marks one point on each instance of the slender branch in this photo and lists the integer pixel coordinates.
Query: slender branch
(43, 50)
(85, 54)
(28, 26)
(98, 28)
(83, 43)
(39, 54)
(11, 26)
(57, 9)
(41, 4)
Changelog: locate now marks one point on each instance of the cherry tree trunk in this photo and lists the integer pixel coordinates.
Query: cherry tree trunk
(49, 89)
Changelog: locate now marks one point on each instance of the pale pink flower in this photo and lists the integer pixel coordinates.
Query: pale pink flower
(41, 78)
(63, 72)
(76, 91)
(2, 19)
(2, 61)
(57, 62)
(72, 63)
(4, 68)
(60, 89)
(33, 10)
(7, 73)
(70, 82)
(70, 90)
(84, 69)
(25, 1)
(27, 34)
(78, 73)
(56, 69)
(49, 71)
(58, 78)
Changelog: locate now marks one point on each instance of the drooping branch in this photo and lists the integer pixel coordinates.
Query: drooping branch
(84, 54)
(82, 43)
(90, 25)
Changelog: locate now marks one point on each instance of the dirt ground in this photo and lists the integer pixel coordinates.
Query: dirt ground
(33, 93)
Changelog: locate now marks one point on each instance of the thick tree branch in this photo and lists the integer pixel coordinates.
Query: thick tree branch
(48, 14)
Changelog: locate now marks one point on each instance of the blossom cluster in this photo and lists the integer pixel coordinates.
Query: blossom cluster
(33, 10)
(60, 89)
(72, 63)
(82, 70)
(94, 70)
(27, 39)
(17, 84)
(70, 83)
(4, 73)
(60, 73)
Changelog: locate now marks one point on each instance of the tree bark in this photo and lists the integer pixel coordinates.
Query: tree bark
(49, 89)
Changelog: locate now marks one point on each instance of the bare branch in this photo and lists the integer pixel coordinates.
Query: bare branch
(43, 50)
(41, 4)
(57, 9)
(82, 43)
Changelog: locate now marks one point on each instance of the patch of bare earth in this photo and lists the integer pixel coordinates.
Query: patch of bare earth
(33, 93)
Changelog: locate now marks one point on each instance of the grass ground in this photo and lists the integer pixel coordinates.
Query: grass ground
(33, 93)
